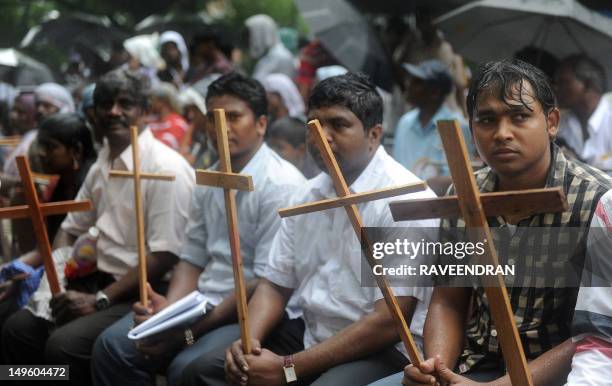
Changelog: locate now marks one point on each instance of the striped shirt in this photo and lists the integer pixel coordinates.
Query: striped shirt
(542, 314)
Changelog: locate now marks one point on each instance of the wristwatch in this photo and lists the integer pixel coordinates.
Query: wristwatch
(102, 301)
(289, 370)
(189, 338)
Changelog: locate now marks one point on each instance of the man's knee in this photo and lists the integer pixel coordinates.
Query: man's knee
(58, 346)
(209, 369)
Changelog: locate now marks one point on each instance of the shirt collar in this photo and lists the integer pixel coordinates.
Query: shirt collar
(322, 185)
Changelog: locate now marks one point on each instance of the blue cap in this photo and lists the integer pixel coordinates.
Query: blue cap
(431, 71)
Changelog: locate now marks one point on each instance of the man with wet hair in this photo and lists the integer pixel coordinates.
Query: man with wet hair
(514, 119)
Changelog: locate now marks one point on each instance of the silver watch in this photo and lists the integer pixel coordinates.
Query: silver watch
(102, 301)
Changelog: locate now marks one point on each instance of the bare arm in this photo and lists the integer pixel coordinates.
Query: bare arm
(158, 263)
(550, 368)
(372, 333)
(445, 324)
(184, 280)
(266, 308)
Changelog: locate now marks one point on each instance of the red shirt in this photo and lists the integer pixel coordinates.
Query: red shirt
(170, 130)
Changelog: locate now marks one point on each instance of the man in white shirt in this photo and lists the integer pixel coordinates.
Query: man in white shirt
(206, 261)
(586, 125)
(84, 310)
(346, 334)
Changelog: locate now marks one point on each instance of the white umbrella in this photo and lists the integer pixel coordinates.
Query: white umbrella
(495, 29)
(19, 69)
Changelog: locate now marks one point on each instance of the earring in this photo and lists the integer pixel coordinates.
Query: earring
(75, 164)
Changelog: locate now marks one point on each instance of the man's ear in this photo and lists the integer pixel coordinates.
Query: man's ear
(374, 135)
(261, 125)
(552, 122)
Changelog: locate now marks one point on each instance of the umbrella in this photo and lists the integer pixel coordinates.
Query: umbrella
(495, 29)
(19, 69)
(348, 38)
(89, 35)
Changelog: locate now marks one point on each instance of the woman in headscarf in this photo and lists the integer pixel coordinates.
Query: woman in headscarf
(284, 99)
(174, 52)
(265, 46)
(144, 58)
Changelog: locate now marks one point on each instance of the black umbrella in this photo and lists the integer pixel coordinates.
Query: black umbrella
(19, 69)
(348, 38)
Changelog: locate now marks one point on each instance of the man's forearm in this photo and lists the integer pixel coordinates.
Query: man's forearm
(266, 308)
(550, 368)
(158, 263)
(444, 329)
(371, 334)
(184, 281)
(224, 313)
(63, 239)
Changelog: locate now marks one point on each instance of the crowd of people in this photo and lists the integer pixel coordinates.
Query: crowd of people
(526, 125)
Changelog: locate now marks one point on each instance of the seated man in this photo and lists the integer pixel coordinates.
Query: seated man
(346, 334)
(82, 312)
(206, 261)
(514, 119)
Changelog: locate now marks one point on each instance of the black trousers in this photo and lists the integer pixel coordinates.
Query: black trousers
(30, 340)
(287, 338)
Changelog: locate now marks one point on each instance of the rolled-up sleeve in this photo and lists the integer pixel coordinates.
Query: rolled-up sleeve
(280, 269)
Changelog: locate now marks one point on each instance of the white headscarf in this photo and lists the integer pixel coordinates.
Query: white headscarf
(284, 86)
(56, 95)
(176, 38)
(144, 48)
(263, 34)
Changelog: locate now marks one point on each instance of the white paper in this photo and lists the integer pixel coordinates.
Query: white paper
(183, 311)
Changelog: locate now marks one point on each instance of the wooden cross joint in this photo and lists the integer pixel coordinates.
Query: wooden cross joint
(37, 211)
(224, 180)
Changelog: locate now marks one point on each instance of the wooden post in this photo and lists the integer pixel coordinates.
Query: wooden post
(224, 178)
(137, 176)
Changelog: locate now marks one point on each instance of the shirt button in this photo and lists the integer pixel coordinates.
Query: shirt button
(494, 333)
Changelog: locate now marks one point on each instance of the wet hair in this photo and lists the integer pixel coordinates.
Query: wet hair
(249, 90)
(501, 77)
(587, 70)
(69, 129)
(355, 91)
(290, 129)
(117, 81)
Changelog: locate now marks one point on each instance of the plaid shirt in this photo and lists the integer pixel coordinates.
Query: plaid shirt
(543, 315)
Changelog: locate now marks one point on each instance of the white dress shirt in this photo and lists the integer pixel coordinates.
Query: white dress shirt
(597, 149)
(165, 205)
(207, 239)
(319, 255)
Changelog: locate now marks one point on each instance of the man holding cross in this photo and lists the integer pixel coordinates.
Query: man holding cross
(206, 261)
(81, 313)
(346, 334)
(514, 119)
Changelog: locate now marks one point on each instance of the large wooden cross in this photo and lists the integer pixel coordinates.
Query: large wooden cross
(474, 207)
(136, 175)
(349, 200)
(224, 178)
(36, 212)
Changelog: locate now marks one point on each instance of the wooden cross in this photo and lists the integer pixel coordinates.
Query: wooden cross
(137, 176)
(349, 200)
(474, 208)
(224, 178)
(37, 211)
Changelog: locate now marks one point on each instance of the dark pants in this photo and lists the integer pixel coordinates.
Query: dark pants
(7, 308)
(209, 369)
(30, 340)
